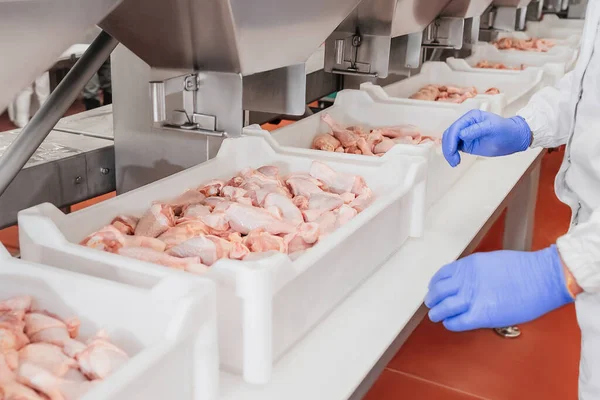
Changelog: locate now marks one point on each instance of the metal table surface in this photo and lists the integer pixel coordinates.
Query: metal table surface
(343, 356)
(65, 170)
(96, 123)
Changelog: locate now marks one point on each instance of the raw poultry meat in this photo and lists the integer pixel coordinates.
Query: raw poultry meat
(188, 198)
(12, 326)
(185, 229)
(259, 241)
(445, 93)
(326, 141)
(531, 44)
(256, 211)
(195, 211)
(125, 224)
(50, 363)
(190, 264)
(18, 303)
(111, 239)
(337, 182)
(347, 137)
(492, 91)
(370, 142)
(332, 220)
(285, 205)
(49, 357)
(489, 65)
(208, 249)
(244, 218)
(100, 357)
(155, 221)
(321, 203)
(50, 385)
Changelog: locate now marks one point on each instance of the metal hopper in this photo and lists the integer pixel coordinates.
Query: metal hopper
(34, 33)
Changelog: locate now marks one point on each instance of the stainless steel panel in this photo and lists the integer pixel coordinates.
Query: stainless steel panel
(577, 9)
(145, 153)
(34, 133)
(34, 33)
(65, 170)
(535, 10)
(511, 3)
(318, 85)
(280, 90)
(367, 33)
(414, 15)
(239, 36)
(466, 8)
(95, 123)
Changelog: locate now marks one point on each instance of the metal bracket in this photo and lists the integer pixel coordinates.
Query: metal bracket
(405, 53)
(445, 33)
(535, 10)
(349, 63)
(509, 18)
(186, 119)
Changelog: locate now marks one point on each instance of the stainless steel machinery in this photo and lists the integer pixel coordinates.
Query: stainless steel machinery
(188, 72)
(203, 63)
(576, 9)
(382, 37)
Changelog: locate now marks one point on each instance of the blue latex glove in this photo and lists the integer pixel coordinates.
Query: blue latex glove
(485, 134)
(497, 289)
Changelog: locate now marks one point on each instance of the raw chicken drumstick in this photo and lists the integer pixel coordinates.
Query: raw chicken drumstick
(531, 44)
(488, 65)
(256, 211)
(41, 358)
(371, 142)
(448, 94)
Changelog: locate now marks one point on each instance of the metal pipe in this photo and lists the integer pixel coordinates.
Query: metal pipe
(59, 101)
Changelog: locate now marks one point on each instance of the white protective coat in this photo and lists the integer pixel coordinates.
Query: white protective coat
(570, 114)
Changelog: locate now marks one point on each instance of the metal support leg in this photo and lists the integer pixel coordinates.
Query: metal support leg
(59, 101)
(518, 229)
(520, 213)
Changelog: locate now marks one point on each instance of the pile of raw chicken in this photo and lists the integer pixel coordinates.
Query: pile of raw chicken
(490, 65)
(41, 358)
(449, 94)
(255, 212)
(370, 142)
(531, 44)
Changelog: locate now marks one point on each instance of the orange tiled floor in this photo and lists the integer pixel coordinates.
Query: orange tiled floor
(441, 365)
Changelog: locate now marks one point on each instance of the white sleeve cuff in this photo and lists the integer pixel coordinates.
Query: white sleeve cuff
(583, 262)
(543, 133)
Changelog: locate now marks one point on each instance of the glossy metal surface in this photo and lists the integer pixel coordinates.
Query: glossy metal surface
(511, 3)
(367, 33)
(239, 36)
(577, 9)
(53, 109)
(510, 332)
(414, 15)
(34, 33)
(65, 170)
(466, 8)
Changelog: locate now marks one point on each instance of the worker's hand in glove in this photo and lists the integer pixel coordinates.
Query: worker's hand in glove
(497, 289)
(485, 134)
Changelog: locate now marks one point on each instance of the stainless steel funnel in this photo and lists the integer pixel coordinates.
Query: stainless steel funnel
(34, 33)
(239, 36)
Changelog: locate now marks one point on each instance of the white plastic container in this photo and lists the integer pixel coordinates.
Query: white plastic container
(553, 27)
(371, 108)
(571, 41)
(555, 65)
(264, 306)
(515, 89)
(169, 330)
